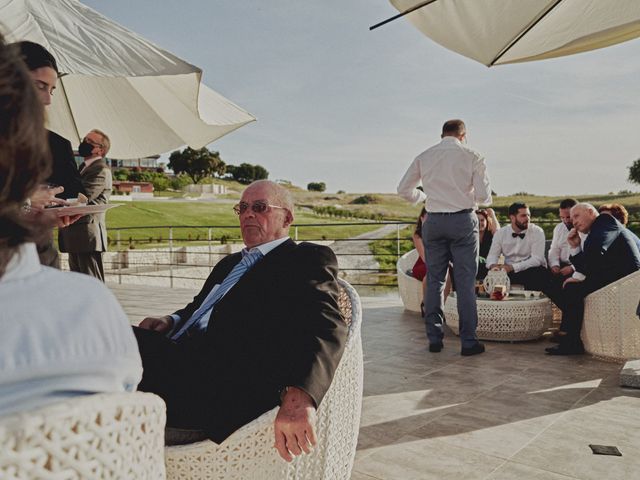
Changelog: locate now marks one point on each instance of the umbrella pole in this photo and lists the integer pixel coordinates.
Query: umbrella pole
(402, 14)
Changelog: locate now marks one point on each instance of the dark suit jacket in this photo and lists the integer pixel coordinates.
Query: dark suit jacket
(609, 253)
(89, 233)
(65, 170)
(279, 326)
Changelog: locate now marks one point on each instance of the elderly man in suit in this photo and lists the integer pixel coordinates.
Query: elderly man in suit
(609, 253)
(265, 330)
(86, 239)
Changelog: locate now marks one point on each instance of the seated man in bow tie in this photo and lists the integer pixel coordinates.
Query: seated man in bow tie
(265, 330)
(522, 244)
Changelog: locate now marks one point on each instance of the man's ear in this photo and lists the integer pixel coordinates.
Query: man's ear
(288, 219)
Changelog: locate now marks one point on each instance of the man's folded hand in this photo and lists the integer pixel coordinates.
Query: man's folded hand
(159, 324)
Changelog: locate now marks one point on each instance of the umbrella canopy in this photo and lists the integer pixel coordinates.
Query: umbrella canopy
(146, 99)
(496, 32)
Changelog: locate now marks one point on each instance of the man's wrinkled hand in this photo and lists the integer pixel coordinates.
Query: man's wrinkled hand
(158, 324)
(555, 270)
(294, 426)
(573, 238)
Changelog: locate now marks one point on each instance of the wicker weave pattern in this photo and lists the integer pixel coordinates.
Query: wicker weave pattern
(611, 329)
(511, 320)
(409, 288)
(98, 437)
(249, 454)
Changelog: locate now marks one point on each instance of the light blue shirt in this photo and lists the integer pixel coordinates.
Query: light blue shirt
(265, 248)
(62, 334)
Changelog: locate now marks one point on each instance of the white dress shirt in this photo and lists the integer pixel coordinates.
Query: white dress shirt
(454, 178)
(559, 250)
(520, 253)
(62, 334)
(204, 316)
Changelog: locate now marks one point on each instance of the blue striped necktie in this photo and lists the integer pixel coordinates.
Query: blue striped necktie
(200, 318)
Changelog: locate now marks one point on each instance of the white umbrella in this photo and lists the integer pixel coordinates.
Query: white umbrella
(496, 32)
(146, 99)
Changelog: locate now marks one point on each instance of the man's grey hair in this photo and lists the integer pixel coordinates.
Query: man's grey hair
(281, 196)
(585, 206)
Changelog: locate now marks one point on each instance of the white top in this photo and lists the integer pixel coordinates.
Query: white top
(520, 253)
(454, 177)
(559, 250)
(62, 334)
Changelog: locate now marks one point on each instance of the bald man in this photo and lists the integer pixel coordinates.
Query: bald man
(609, 253)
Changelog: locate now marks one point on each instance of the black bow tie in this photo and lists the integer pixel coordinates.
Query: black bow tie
(514, 235)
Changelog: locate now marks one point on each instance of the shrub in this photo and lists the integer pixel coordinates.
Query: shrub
(364, 200)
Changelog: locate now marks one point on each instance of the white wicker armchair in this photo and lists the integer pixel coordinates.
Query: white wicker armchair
(115, 436)
(248, 454)
(611, 328)
(409, 288)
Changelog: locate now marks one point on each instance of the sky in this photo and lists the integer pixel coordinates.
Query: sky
(340, 104)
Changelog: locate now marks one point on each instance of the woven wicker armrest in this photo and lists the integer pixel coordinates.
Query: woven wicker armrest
(611, 328)
(103, 436)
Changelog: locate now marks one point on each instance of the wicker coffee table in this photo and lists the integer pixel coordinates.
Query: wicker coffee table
(515, 319)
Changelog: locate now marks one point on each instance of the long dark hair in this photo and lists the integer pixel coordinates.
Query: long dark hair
(24, 152)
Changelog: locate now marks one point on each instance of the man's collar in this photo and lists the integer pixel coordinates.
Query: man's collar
(89, 161)
(266, 247)
(450, 139)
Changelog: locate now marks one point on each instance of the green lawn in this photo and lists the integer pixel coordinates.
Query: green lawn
(198, 216)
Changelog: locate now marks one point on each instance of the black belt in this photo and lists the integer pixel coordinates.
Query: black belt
(466, 210)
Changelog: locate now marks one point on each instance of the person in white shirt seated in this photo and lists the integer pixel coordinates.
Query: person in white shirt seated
(522, 244)
(62, 334)
(559, 264)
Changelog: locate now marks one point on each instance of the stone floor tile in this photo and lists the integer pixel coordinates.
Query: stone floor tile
(511, 471)
(427, 460)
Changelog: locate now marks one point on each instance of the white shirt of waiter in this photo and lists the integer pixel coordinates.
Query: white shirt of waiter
(454, 177)
(520, 253)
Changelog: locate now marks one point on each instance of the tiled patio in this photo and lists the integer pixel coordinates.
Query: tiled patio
(511, 413)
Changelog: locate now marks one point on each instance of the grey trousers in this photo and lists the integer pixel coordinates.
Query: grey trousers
(87, 262)
(451, 237)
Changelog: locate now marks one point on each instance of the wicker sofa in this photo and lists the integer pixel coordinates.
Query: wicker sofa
(611, 328)
(249, 454)
(112, 436)
(409, 288)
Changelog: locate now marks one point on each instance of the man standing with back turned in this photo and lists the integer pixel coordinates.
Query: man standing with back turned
(455, 181)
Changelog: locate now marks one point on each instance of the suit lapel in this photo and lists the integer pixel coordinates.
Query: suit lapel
(260, 273)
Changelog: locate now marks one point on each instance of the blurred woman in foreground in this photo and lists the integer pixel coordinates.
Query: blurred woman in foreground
(63, 334)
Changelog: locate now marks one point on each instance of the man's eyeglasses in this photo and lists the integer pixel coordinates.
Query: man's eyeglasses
(259, 206)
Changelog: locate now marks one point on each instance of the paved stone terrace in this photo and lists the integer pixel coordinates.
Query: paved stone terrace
(511, 413)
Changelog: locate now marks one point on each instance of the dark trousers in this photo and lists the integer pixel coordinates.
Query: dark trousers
(451, 238)
(570, 300)
(170, 371)
(536, 278)
(200, 393)
(89, 263)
